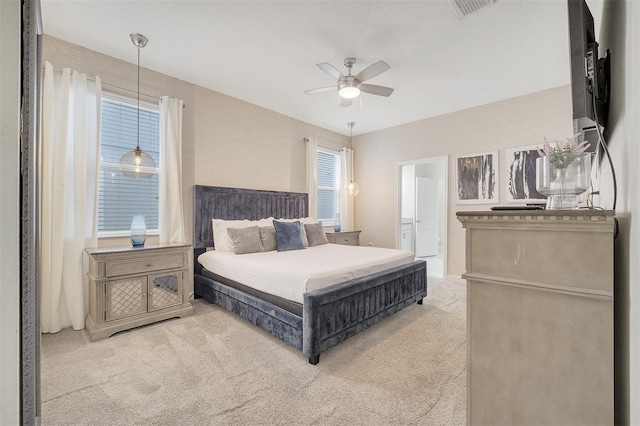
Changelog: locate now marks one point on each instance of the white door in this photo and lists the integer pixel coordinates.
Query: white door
(426, 217)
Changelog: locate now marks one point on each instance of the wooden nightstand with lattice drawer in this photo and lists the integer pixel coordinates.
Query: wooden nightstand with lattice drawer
(130, 287)
(347, 238)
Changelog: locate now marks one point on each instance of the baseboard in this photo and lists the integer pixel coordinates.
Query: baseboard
(456, 279)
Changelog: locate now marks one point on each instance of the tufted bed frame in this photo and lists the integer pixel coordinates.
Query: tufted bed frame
(330, 315)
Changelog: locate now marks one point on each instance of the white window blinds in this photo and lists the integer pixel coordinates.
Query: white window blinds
(121, 197)
(328, 186)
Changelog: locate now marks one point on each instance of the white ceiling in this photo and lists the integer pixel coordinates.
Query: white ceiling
(265, 52)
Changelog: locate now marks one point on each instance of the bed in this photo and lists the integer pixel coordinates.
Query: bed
(326, 316)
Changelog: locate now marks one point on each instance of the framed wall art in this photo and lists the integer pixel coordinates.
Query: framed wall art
(477, 178)
(521, 175)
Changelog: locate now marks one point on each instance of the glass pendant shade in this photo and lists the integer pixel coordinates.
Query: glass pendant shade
(137, 164)
(352, 189)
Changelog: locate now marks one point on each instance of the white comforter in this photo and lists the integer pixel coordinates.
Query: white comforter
(291, 274)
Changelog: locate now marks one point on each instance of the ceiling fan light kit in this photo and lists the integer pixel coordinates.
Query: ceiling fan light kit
(350, 86)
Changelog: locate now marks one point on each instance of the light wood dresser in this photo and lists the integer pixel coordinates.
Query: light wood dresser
(540, 317)
(347, 238)
(130, 287)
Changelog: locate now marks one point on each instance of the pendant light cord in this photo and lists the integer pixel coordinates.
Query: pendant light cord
(351, 124)
(351, 140)
(138, 134)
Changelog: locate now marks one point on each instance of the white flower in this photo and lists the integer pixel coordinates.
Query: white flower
(563, 154)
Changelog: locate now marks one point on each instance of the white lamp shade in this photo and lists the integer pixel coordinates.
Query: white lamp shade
(349, 92)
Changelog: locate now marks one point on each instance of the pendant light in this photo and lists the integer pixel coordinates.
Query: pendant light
(352, 188)
(136, 163)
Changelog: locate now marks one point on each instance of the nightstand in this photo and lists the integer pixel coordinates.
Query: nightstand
(130, 287)
(347, 238)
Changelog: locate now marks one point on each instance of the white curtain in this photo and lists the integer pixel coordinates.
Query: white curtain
(171, 215)
(312, 176)
(69, 190)
(346, 202)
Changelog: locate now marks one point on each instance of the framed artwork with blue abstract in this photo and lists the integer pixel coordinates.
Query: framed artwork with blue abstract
(477, 178)
(521, 175)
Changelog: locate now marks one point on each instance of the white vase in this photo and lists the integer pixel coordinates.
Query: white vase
(336, 224)
(562, 186)
(138, 230)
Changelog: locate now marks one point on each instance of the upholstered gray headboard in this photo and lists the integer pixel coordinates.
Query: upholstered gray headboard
(215, 202)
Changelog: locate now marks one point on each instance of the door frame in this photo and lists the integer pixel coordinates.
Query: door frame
(431, 160)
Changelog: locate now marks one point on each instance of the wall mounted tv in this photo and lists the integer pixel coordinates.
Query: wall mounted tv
(589, 75)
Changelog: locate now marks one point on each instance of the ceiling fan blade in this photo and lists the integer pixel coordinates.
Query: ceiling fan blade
(376, 90)
(331, 70)
(345, 102)
(372, 71)
(319, 90)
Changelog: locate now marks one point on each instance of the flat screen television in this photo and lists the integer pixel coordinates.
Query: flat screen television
(589, 75)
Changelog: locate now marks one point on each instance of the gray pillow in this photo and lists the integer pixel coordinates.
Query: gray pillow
(315, 234)
(245, 240)
(268, 237)
(303, 235)
(288, 235)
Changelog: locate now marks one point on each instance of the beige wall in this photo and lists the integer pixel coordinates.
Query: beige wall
(620, 33)
(517, 122)
(226, 142)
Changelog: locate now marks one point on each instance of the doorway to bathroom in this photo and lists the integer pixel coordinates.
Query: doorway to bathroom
(422, 211)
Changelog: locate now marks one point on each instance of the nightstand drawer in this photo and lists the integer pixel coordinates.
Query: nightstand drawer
(348, 238)
(115, 268)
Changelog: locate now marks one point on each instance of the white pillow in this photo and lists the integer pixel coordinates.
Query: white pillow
(221, 239)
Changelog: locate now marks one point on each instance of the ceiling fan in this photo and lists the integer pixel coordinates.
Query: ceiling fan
(350, 86)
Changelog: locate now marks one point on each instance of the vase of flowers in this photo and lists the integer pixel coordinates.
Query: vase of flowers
(563, 172)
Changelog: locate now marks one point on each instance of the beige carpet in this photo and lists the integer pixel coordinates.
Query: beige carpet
(215, 368)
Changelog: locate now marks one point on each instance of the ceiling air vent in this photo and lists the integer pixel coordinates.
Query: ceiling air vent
(464, 7)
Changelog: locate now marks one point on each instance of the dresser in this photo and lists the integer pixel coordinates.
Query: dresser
(347, 238)
(130, 287)
(539, 317)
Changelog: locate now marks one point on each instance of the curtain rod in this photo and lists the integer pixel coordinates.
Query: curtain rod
(132, 91)
(119, 88)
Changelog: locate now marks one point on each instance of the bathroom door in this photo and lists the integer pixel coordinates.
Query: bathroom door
(426, 225)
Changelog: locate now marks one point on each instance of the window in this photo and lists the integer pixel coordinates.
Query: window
(120, 197)
(328, 186)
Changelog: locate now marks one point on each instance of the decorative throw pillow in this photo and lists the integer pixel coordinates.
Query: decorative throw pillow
(288, 235)
(268, 237)
(221, 239)
(303, 234)
(315, 234)
(245, 240)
